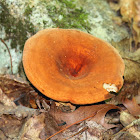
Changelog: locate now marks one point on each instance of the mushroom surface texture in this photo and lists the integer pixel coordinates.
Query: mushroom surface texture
(72, 66)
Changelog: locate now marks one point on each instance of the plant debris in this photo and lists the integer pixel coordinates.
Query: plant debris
(27, 114)
(130, 12)
(52, 120)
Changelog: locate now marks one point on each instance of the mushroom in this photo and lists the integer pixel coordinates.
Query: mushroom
(69, 65)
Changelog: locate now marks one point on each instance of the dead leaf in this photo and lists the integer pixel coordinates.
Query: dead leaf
(100, 116)
(83, 112)
(132, 106)
(5, 100)
(10, 125)
(51, 127)
(96, 112)
(16, 89)
(33, 128)
(19, 91)
(65, 107)
(130, 11)
(129, 90)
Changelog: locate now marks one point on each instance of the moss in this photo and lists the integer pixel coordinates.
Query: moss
(63, 13)
(28, 11)
(16, 29)
(68, 3)
(67, 15)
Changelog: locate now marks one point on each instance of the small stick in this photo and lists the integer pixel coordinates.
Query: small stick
(135, 122)
(76, 123)
(82, 130)
(130, 60)
(71, 125)
(9, 54)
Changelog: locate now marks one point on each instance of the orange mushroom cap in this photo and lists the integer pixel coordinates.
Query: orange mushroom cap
(72, 66)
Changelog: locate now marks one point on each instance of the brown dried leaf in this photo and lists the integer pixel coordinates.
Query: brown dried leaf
(51, 127)
(100, 116)
(132, 106)
(10, 125)
(65, 107)
(15, 89)
(33, 128)
(19, 91)
(130, 11)
(83, 112)
(18, 111)
(129, 90)
(5, 100)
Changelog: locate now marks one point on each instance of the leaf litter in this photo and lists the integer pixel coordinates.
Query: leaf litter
(55, 122)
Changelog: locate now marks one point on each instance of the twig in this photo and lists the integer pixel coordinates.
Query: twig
(72, 125)
(9, 54)
(130, 60)
(135, 122)
(82, 130)
(76, 123)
